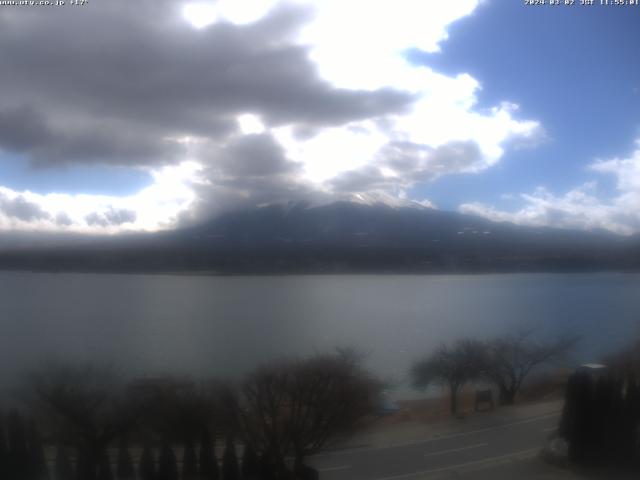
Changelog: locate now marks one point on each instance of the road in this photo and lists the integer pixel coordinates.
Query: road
(460, 453)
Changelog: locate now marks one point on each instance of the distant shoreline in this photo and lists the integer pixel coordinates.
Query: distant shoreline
(403, 272)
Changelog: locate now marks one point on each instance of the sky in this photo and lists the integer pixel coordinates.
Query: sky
(120, 116)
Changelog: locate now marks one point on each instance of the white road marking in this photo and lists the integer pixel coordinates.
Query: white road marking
(462, 465)
(332, 469)
(444, 452)
(435, 439)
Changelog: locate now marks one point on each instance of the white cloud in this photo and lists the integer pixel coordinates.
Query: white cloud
(155, 207)
(332, 150)
(362, 45)
(627, 170)
(202, 14)
(580, 207)
(250, 124)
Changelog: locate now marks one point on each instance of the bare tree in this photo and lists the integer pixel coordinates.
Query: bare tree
(208, 464)
(176, 407)
(62, 469)
(298, 407)
(4, 449)
(510, 359)
(452, 366)
(83, 406)
(189, 461)
(329, 397)
(147, 465)
(230, 466)
(17, 460)
(124, 465)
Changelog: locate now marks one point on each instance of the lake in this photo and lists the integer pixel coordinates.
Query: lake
(224, 326)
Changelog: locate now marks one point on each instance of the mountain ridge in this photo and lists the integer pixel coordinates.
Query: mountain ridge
(341, 237)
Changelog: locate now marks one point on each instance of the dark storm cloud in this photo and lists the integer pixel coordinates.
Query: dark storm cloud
(252, 155)
(21, 209)
(246, 171)
(22, 129)
(115, 81)
(25, 130)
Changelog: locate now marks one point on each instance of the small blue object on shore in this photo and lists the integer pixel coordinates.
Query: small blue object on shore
(386, 406)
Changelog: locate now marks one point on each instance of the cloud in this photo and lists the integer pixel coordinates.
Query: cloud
(111, 217)
(135, 80)
(18, 208)
(273, 100)
(250, 156)
(159, 205)
(23, 128)
(581, 207)
(26, 130)
(420, 163)
(63, 220)
(400, 165)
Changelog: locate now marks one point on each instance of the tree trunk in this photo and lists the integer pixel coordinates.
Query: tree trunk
(507, 396)
(454, 399)
(273, 467)
(298, 461)
(298, 466)
(302, 471)
(87, 467)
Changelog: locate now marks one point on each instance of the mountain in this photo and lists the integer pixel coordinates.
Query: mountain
(341, 237)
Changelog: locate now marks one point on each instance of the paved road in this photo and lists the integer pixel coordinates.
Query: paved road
(500, 447)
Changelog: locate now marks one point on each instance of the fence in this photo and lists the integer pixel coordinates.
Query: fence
(23, 456)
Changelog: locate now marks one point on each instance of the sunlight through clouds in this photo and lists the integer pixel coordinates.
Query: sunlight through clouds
(259, 101)
(361, 44)
(250, 124)
(201, 14)
(333, 150)
(154, 207)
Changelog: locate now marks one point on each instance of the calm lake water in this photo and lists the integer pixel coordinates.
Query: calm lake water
(224, 326)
